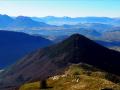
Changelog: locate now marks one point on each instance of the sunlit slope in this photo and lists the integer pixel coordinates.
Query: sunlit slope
(77, 77)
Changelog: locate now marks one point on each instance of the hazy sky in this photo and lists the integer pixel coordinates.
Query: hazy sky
(73, 8)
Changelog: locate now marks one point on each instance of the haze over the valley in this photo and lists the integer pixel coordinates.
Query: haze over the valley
(59, 44)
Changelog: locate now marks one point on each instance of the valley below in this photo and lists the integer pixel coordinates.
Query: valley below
(59, 53)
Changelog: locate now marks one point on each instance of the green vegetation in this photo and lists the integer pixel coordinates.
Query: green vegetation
(78, 77)
(30, 86)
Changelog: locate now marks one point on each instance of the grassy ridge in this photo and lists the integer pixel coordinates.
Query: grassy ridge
(77, 77)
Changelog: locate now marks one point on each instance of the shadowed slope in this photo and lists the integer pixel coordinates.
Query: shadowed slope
(15, 45)
(55, 59)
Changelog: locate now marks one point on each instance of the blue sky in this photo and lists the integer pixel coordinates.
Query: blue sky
(72, 8)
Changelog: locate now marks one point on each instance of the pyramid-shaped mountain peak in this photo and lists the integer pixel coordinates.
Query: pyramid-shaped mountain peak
(55, 59)
(80, 43)
(76, 36)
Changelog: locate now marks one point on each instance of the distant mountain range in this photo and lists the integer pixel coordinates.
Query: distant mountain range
(19, 23)
(96, 28)
(38, 23)
(15, 45)
(72, 21)
(55, 59)
(26, 22)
